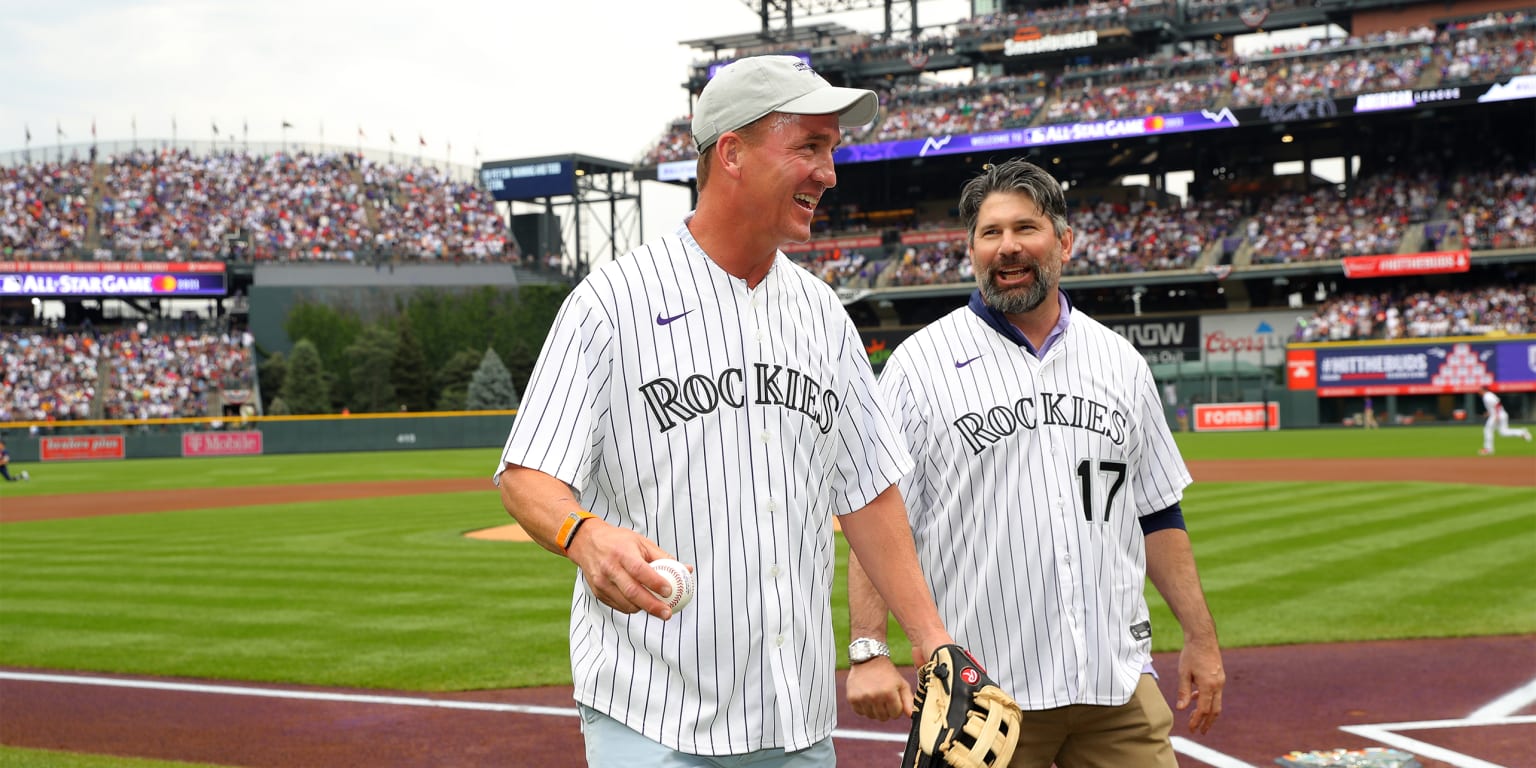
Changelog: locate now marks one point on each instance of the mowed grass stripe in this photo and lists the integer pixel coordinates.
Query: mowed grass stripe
(380, 592)
(1295, 563)
(1269, 530)
(387, 592)
(1338, 574)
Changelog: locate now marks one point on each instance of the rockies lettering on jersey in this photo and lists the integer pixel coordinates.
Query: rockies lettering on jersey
(729, 425)
(981, 431)
(702, 395)
(1056, 458)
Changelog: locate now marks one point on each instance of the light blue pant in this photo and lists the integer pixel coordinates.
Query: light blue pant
(612, 744)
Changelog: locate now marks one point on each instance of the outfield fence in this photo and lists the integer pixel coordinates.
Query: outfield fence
(30, 441)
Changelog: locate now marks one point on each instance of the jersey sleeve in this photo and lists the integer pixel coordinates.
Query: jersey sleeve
(1161, 475)
(901, 401)
(871, 455)
(554, 430)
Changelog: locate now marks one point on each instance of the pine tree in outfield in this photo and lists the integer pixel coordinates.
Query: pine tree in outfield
(453, 380)
(370, 358)
(304, 387)
(270, 373)
(491, 389)
(408, 371)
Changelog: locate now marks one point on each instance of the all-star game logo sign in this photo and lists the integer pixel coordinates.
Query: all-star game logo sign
(1254, 14)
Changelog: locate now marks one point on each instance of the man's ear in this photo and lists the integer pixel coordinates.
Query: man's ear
(728, 150)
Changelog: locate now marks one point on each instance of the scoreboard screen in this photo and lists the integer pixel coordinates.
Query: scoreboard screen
(529, 180)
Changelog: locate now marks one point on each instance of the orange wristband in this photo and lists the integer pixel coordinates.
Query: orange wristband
(568, 529)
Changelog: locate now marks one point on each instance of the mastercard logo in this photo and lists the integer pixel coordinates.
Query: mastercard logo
(164, 284)
(1153, 123)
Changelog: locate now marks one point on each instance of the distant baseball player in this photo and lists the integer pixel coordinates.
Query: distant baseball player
(1498, 422)
(5, 466)
(1047, 489)
(703, 398)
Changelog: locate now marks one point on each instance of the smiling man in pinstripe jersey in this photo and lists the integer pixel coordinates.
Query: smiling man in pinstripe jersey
(704, 398)
(1047, 489)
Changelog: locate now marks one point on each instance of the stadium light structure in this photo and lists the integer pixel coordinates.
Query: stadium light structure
(898, 14)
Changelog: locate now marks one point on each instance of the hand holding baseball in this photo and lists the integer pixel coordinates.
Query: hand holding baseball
(680, 583)
(615, 562)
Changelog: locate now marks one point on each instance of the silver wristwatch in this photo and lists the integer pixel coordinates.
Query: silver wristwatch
(866, 648)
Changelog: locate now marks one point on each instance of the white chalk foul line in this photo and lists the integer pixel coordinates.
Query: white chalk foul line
(1496, 712)
(279, 693)
(354, 698)
(1419, 748)
(1508, 704)
(1207, 755)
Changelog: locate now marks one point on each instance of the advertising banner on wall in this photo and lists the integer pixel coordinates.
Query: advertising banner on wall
(1254, 338)
(111, 279)
(1161, 339)
(1236, 417)
(85, 447)
(1448, 366)
(221, 443)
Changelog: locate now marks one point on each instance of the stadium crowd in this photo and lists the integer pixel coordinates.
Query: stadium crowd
(129, 373)
(1491, 309)
(1496, 45)
(179, 206)
(1378, 214)
(175, 205)
(46, 377)
(43, 207)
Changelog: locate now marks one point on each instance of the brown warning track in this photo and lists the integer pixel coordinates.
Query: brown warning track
(1278, 699)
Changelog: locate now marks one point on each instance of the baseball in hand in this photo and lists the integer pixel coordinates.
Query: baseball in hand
(681, 580)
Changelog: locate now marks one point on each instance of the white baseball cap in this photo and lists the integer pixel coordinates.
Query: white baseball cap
(747, 89)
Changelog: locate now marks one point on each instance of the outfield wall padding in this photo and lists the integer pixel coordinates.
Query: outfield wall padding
(315, 435)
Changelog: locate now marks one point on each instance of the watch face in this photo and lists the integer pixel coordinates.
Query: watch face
(865, 649)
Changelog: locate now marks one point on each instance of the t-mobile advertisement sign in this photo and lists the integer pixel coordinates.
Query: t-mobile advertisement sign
(221, 443)
(81, 448)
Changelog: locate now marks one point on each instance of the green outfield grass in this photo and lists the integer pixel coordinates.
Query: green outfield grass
(387, 592)
(1387, 443)
(239, 471)
(14, 757)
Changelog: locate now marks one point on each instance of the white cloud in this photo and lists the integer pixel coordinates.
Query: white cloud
(513, 78)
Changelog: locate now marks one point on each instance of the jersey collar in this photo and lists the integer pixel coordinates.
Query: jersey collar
(686, 235)
(999, 322)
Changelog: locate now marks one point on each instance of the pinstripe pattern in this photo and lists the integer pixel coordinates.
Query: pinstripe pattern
(728, 425)
(1002, 444)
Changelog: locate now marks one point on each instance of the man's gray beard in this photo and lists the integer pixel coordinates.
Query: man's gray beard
(1018, 301)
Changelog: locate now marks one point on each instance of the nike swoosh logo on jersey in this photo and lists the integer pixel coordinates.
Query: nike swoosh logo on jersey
(668, 320)
(964, 363)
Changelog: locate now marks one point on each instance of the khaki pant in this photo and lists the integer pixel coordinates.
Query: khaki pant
(1133, 735)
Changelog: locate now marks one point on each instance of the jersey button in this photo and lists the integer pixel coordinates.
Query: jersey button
(773, 571)
(778, 641)
(764, 436)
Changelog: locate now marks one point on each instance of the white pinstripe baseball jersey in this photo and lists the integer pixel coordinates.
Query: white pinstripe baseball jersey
(1031, 474)
(728, 425)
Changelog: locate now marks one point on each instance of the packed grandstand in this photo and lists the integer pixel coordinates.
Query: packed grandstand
(1460, 180)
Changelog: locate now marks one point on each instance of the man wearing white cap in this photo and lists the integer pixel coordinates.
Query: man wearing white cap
(703, 398)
